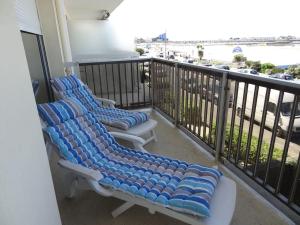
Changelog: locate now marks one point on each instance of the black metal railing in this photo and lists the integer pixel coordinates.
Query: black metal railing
(127, 82)
(164, 96)
(261, 137)
(247, 122)
(239, 118)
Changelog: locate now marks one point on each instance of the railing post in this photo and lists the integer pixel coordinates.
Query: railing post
(152, 81)
(177, 94)
(222, 116)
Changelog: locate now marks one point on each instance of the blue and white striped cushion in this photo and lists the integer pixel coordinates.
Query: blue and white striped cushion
(60, 111)
(81, 139)
(119, 118)
(66, 82)
(70, 86)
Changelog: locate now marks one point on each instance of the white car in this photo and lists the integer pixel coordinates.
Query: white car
(248, 71)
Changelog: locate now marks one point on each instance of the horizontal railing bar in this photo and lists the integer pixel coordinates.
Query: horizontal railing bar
(207, 70)
(279, 84)
(114, 61)
(164, 61)
(218, 72)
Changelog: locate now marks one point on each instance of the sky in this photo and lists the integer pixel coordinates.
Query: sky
(207, 19)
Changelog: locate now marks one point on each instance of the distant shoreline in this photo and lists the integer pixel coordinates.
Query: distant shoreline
(278, 54)
(252, 43)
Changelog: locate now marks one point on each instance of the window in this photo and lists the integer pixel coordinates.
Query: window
(286, 109)
(271, 107)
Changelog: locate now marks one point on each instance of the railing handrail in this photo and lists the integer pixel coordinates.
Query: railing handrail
(112, 61)
(283, 85)
(279, 84)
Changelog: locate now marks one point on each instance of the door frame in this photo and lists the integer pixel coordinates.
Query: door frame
(44, 62)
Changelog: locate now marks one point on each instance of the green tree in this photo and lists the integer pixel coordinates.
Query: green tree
(248, 63)
(267, 67)
(256, 65)
(140, 51)
(200, 51)
(239, 58)
(294, 70)
(276, 70)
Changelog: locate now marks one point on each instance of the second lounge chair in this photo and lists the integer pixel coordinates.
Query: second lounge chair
(124, 121)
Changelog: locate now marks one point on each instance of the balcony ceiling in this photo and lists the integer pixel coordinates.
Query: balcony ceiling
(89, 9)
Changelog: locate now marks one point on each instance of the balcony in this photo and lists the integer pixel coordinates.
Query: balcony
(240, 121)
(204, 115)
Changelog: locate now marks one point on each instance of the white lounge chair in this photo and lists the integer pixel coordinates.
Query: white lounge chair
(132, 122)
(188, 192)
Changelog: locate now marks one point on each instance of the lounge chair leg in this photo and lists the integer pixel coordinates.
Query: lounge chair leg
(72, 190)
(151, 211)
(71, 183)
(122, 208)
(139, 147)
(154, 135)
(49, 149)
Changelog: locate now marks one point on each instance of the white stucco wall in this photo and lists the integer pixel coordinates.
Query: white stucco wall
(50, 30)
(26, 189)
(102, 38)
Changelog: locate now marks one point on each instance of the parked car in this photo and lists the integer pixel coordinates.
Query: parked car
(192, 87)
(285, 110)
(207, 64)
(283, 76)
(171, 57)
(223, 67)
(249, 71)
(190, 61)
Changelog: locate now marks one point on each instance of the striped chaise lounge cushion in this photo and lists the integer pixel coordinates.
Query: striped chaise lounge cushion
(71, 86)
(81, 139)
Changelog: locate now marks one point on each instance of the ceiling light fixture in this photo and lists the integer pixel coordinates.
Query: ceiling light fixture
(104, 14)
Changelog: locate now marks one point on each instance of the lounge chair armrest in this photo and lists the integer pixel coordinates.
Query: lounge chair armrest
(128, 137)
(87, 173)
(109, 102)
(138, 142)
(148, 111)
